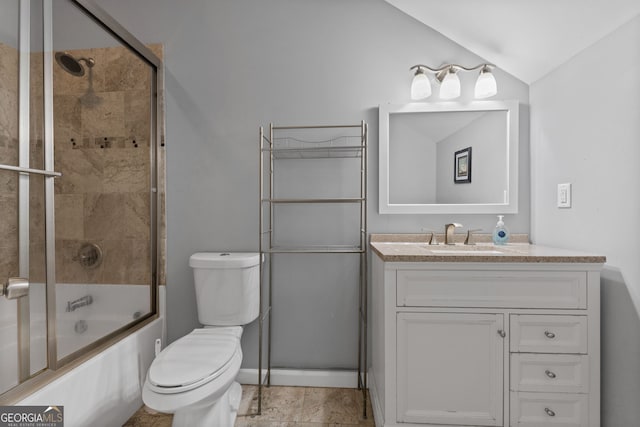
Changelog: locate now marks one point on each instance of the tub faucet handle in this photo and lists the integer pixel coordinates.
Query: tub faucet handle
(432, 240)
(469, 239)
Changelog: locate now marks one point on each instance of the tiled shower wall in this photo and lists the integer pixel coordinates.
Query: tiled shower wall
(8, 155)
(102, 137)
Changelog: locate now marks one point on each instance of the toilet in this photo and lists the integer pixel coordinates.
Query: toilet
(194, 377)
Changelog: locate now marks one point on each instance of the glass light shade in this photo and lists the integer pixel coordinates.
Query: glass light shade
(486, 86)
(450, 87)
(420, 86)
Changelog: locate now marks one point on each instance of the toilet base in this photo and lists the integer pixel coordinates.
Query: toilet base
(222, 414)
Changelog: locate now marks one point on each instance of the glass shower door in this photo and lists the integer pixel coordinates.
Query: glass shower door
(104, 229)
(78, 187)
(22, 178)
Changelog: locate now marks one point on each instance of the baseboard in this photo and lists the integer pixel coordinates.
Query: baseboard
(303, 377)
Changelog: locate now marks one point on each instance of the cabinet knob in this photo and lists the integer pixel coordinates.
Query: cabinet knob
(550, 374)
(549, 334)
(502, 333)
(549, 412)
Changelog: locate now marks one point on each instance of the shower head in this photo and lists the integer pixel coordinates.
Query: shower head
(72, 65)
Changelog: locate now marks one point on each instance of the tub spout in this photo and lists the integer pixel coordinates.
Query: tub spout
(80, 302)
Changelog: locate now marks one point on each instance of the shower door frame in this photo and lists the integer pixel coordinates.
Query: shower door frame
(57, 367)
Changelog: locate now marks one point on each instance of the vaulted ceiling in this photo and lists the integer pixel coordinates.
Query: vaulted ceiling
(526, 38)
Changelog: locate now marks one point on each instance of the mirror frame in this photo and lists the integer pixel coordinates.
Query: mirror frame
(509, 207)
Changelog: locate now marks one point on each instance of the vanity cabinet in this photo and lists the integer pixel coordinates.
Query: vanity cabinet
(485, 343)
(449, 368)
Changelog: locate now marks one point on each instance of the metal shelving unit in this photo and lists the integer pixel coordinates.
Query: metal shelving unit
(301, 143)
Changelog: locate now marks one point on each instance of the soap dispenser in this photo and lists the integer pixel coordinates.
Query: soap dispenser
(500, 233)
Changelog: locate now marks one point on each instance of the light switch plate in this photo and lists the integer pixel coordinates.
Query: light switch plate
(564, 195)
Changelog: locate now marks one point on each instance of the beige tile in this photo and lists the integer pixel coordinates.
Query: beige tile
(148, 418)
(137, 215)
(81, 171)
(9, 259)
(9, 67)
(69, 216)
(8, 147)
(126, 170)
(251, 422)
(104, 216)
(9, 214)
(36, 153)
(36, 208)
(37, 259)
(369, 419)
(8, 122)
(105, 118)
(280, 403)
(137, 109)
(67, 120)
(276, 396)
(8, 113)
(331, 405)
(126, 262)
(249, 394)
(122, 70)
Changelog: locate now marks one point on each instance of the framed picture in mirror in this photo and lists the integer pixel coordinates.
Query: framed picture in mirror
(462, 166)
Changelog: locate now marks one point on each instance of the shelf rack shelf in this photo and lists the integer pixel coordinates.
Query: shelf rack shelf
(330, 142)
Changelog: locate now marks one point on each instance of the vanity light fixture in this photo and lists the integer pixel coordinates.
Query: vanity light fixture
(450, 85)
(447, 76)
(420, 86)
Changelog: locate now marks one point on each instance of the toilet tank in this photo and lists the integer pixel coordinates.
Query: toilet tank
(227, 287)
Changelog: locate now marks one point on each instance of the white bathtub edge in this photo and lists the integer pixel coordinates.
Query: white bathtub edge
(106, 389)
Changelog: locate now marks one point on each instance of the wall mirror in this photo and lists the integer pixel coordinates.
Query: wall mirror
(446, 158)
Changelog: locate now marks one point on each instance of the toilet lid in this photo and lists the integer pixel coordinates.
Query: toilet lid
(198, 357)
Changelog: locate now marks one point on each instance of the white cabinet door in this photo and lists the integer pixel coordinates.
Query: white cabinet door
(450, 368)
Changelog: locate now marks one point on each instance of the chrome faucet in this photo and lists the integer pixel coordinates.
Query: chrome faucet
(448, 232)
(80, 302)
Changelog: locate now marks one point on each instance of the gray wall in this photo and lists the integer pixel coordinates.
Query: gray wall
(412, 161)
(487, 137)
(585, 130)
(9, 21)
(232, 66)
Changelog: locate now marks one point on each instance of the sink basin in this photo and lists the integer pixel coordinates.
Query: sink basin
(466, 251)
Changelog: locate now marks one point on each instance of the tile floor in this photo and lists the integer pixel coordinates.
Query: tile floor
(285, 407)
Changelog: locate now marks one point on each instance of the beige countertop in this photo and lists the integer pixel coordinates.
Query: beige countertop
(414, 248)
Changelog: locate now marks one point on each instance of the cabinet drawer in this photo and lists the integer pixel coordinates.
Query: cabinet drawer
(508, 289)
(552, 409)
(548, 334)
(560, 373)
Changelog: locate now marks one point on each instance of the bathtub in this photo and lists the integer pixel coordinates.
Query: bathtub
(112, 307)
(9, 347)
(106, 389)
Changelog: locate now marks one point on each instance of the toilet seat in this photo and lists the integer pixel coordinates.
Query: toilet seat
(195, 359)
